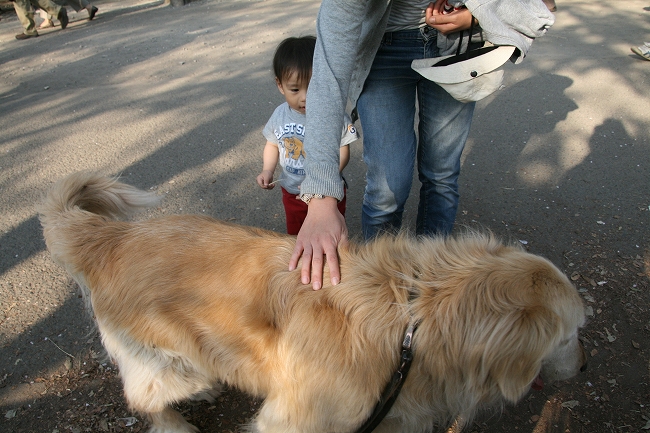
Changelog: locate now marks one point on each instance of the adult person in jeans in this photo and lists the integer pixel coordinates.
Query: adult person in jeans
(363, 53)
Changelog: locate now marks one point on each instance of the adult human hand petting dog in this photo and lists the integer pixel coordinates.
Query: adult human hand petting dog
(322, 232)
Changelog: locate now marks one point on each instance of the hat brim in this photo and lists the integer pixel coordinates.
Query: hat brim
(476, 89)
(470, 76)
(463, 67)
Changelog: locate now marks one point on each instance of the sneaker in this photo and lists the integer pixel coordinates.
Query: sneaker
(24, 36)
(643, 50)
(63, 17)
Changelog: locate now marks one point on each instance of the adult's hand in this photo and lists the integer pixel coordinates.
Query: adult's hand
(446, 23)
(322, 232)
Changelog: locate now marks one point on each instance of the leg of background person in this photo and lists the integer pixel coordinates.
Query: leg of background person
(49, 6)
(92, 10)
(443, 129)
(25, 14)
(47, 20)
(387, 113)
(77, 5)
(53, 9)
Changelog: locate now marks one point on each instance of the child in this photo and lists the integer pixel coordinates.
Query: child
(285, 130)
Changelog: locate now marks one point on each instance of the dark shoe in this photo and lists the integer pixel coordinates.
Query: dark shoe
(23, 36)
(91, 13)
(63, 17)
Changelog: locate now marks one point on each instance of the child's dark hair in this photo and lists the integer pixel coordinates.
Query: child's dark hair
(294, 55)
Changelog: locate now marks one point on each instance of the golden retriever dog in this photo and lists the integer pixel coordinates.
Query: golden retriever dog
(186, 303)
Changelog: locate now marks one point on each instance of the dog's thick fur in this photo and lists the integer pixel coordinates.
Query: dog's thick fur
(184, 303)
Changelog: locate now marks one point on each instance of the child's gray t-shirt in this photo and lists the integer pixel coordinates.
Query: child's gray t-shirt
(286, 128)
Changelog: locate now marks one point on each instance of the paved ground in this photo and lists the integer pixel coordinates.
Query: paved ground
(174, 99)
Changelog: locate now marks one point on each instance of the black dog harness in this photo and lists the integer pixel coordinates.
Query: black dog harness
(393, 388)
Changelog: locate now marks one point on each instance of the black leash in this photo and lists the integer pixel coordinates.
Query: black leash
(393, 388)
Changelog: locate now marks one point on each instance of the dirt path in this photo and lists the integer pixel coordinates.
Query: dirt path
(174, 99)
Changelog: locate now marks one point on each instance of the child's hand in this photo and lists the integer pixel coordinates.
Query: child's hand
(265, 179)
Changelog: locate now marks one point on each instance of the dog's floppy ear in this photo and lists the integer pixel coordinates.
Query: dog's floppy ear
(514, 353)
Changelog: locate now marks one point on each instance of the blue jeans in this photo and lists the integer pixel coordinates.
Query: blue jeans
(387, 108)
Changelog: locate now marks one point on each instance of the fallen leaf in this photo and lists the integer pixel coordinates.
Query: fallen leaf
(129, 421)
(103, 424)
(589, 280)
(571, 404)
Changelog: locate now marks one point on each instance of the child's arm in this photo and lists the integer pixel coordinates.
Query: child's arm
(270, 160)
(344, 157)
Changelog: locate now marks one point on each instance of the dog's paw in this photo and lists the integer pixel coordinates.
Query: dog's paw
(170, 421)
(208, 395)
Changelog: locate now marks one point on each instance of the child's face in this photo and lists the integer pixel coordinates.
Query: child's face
(294, 91)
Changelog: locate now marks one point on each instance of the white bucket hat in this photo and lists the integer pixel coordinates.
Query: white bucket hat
(470, 76)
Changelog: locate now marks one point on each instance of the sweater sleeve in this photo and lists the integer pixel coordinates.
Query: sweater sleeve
(512, 22)
(338, 31)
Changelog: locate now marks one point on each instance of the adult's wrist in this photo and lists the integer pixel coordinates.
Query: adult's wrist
(319, 200)
(307, 198)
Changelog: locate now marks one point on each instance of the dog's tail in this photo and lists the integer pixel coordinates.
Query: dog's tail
(96, 194)
(77, 202)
